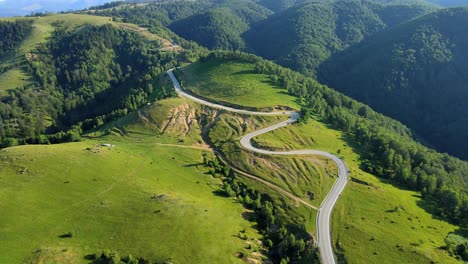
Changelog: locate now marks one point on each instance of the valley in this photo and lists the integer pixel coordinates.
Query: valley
(159, 132)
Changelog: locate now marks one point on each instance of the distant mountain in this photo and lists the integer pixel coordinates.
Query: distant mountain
(416, 73)
(305, 35)
(278, 5)
(449, 3)
(442, 3)
(26, 7)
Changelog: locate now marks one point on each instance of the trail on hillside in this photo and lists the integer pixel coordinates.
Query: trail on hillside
(324, 212)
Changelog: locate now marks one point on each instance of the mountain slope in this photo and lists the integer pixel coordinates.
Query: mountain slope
(307, 34)
(222, 26)
(84, 74)
(416, 73)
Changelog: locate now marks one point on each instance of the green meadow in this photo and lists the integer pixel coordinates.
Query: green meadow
(373, 221)
(143, 197)
(234, 82)
(42, 29)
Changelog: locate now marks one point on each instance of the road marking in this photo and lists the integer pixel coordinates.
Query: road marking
(324, 214)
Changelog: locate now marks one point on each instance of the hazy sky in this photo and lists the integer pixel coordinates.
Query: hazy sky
(25, 7)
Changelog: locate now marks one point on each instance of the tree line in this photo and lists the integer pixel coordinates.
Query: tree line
(84, 79)
(387, 148)
(286, 241)
(13, 33)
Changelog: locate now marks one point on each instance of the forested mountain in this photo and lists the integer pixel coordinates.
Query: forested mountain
(84, 78)
(213, 24)
(416, 73)
(305, 35)
(161, 13)
(13, 33)
(222, 26)
(278, 5)
(391, 150)
(300, 35)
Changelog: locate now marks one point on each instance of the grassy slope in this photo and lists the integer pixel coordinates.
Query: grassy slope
(43, 28)
(363, 222)
(236, 83)
(105, 200)
(12, 79)
(298, 175)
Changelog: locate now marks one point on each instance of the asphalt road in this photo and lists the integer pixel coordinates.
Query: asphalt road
(324, 215)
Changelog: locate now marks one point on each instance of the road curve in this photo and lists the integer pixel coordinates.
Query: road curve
(324, 215)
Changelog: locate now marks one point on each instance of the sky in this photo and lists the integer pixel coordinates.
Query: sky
(25, 7)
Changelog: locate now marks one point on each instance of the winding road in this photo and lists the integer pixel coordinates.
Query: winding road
(324, 213)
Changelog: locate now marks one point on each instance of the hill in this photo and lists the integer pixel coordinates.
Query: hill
(305, 35)
(363, 228)
(284, 31)
(221, 27)
(415, 73)
(278, 5)
(51, 94)
(213, 24)
(146, 195)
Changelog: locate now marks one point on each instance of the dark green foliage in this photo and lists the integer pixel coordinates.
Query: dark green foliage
(283, 237)
(449, 3)
(13, 33)
(213, 24)
(282, 241)
(278, 5)
(222, 26)
(387, 148)
(85, 79)
(416, 73)
(112, 257)
(457, 245)
(165, 13)
(305, 35)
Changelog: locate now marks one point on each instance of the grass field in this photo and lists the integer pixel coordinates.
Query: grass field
(12, 79)
(301, 176)
(234, 82)
(42, 30)
(142, 197)
(373, 222)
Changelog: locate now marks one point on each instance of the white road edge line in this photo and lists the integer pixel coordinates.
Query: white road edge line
(324, 214)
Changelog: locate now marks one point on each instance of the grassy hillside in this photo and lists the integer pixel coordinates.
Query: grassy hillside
(374, 221)
(42, 28)
(50, 89)
(415, 73)
(141, 197)
(234, 82)
(371, 208)
(305, 35)
(184, 124)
